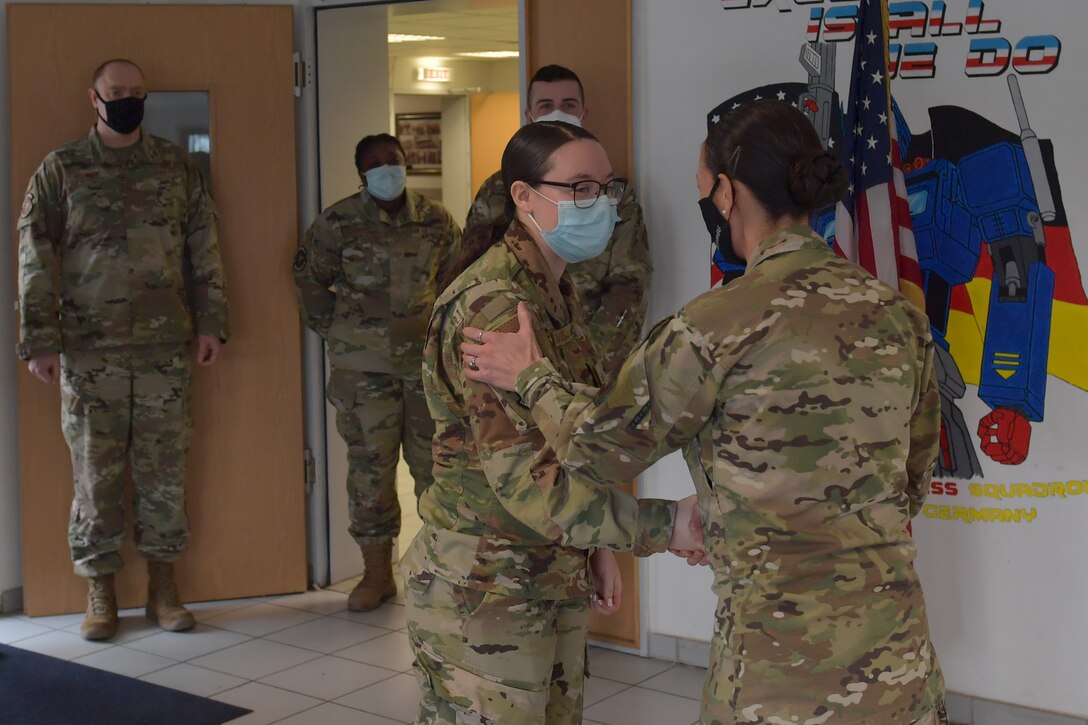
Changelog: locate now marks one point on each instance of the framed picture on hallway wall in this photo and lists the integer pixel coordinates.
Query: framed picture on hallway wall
(421, 136)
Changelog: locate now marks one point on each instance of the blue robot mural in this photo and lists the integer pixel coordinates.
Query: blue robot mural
(973, 189)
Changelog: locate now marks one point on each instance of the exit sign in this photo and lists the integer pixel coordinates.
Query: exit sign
(439, 75)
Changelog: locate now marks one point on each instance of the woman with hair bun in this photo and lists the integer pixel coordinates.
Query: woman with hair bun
(803, 394)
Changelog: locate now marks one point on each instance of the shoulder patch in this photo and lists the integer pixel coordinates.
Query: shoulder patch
(28, 205)
(300, 259)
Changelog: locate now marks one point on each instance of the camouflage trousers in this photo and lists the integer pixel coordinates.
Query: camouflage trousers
(376, 414)
(484, 658)
(127, 406)
(718, 709)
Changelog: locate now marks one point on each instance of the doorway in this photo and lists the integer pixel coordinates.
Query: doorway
(444, 76)
(454, 62)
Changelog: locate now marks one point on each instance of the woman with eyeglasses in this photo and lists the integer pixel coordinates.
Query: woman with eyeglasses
(500, 579)
(804, 397)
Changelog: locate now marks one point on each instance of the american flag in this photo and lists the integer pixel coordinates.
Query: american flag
(873, 226)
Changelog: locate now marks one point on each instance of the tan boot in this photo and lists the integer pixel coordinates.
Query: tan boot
(377, 583)
(101, 619)
(163, 603)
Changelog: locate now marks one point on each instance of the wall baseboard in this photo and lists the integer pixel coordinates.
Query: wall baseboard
(11, 601)
(679, 649)
(962, 709)
(967, 710)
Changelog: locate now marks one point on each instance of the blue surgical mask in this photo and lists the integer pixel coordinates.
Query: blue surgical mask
(581, 234)
(386, 182)
(558, 115)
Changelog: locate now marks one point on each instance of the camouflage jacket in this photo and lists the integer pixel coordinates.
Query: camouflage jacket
(366, 281)
(503, 514)
(804, 397)
(131, 236)
(614, 286)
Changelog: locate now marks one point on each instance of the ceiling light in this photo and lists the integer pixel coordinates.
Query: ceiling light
(402, 38)
(492, 54)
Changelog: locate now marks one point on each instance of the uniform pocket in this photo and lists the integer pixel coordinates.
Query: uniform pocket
(487, 653)
(508, 639)
(341, 390)
(518, 414)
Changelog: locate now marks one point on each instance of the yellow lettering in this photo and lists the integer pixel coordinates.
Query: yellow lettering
(1056, 489)
(1074, 487)
(1022, 489)
(970, 515)
(992, 490)
(976, 489)
(1040, 490)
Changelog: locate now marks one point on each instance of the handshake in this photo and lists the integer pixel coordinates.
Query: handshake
(686, 542)
(687, 532)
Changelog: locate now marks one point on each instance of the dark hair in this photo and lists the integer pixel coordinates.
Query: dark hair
(370, 142)
(773, 149)
(528, 154)
(553, 73)
(97, 75)
(527, 157)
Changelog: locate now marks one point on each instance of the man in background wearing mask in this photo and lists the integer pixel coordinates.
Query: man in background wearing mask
(124, 221)
(366, 273)
(614, 286)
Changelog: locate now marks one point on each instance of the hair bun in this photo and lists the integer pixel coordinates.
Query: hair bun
(816, 179)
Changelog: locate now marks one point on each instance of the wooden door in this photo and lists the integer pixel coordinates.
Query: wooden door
(246, 489)
(594, 40)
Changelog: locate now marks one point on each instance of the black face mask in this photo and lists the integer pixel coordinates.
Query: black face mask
(720, 234)
(123, 115)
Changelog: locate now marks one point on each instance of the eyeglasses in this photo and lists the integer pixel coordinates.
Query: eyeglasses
(587, 192)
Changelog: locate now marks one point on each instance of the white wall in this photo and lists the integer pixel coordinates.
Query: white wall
(471, 76)
(457, 191)
(353, 101)
(353, 92)
(1005, 601)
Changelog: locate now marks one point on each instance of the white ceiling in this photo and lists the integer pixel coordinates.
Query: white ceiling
(467, 25)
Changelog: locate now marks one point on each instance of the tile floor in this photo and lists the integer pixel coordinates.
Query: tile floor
(305, 659)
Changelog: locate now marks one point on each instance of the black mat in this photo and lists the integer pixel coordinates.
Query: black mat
(40, 690)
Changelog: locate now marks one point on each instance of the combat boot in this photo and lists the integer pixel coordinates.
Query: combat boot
(163, 603)
(377, 583)
(101, 619)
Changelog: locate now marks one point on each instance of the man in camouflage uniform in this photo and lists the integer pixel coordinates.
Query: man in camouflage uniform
(366, 273)
(614, 286)
(497, 578)
(125, 222)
